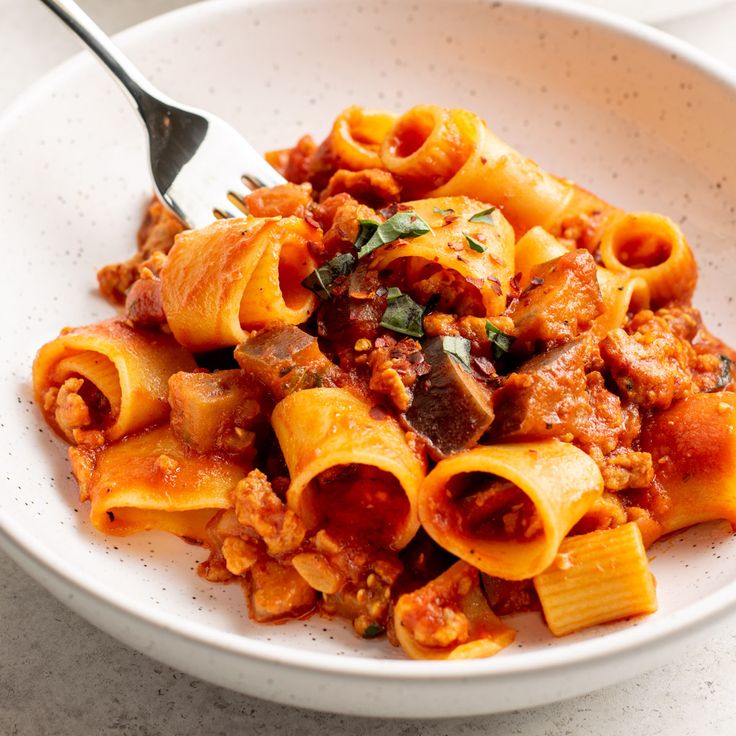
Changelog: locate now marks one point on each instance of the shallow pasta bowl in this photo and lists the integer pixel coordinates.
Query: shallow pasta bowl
(635, 116)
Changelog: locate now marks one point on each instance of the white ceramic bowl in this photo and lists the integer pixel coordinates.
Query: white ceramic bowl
(656, 11)
(636, 116)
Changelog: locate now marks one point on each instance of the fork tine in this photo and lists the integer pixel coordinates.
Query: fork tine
(238, 201)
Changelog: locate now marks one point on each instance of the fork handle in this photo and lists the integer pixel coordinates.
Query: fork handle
(141, 91)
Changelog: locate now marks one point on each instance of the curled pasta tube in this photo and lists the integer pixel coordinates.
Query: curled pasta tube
(356, 136)
(428, 145)
(653, 247)
(535, 247)
(622, 294)
(693, 447)
(506, 508)
(350, 471)
(444, 253)
(447, 152)
(449, 618)
(106, 377)
(164, 486)
(237, 274)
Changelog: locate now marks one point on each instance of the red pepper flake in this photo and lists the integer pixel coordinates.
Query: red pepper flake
(310, 219)
(495, 285)
(449, 219)
(478, 283)
(483, 160)
(514, 285)
(455, 246)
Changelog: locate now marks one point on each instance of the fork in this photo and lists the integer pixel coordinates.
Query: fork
(202, 168)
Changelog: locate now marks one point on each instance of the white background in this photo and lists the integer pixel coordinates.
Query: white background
(59, 675)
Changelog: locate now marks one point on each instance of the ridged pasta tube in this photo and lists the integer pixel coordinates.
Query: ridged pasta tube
(597, 577)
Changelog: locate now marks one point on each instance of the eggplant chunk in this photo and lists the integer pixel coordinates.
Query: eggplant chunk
(561, 304)
(451, 409)
(546, 397)
(285, 359)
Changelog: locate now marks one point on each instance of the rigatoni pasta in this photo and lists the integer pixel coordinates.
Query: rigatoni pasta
(423, 386)
(597, 577)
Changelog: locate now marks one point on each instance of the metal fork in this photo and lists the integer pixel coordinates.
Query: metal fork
(201, 166)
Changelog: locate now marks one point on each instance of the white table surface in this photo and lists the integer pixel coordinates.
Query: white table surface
(59, 675)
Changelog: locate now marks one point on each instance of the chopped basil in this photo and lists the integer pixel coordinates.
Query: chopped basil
(401, 225)
(440, 211)
(457, 347)
(403, 314)
(483, 216)
(372, 631)
(500, 341)
(474, 244)
(322, 278)
(365, 233)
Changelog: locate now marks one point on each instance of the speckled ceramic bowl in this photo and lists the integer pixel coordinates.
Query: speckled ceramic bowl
(636, 116)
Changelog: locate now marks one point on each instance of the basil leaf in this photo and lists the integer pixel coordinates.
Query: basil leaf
(403, 314)
(440, 211)
(372, 631)
(474, 244)
(401, 225)
(500, 341)
(483, 216)
(365, 233)
(458, 348)
(322, 278)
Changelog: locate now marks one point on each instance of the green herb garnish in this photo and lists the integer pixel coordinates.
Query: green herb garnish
(500, 341)
(458, 348)
(321, 279)
(372, 631)
(365, 233)
(483, 216)
(724, 378)
(401, 225)
(474, 244)
(440, 211)
(403, 314)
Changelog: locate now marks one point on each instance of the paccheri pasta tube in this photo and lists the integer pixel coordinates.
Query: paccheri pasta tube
(652, 247)
(445, 152)
(164, 485)
(107, 378)
(351, 468)
(449, 618)
(468, 253)
(506, 508)
(693, 446)
(237, 274)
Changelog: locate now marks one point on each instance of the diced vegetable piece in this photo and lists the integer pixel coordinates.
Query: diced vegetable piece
(451, 409)
(214, 411)
(285, 359)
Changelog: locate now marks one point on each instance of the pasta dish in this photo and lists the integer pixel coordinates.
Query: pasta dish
(423, 386)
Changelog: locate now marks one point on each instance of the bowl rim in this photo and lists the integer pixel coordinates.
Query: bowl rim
(706, 611)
